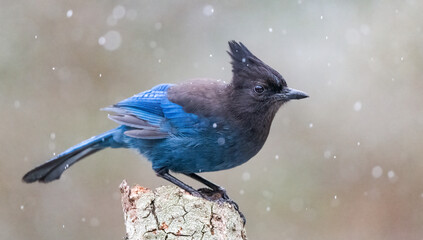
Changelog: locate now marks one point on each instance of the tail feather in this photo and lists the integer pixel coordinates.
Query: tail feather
(54, 168)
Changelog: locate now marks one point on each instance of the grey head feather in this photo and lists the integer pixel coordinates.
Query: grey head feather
(241, 57)
(246, 66)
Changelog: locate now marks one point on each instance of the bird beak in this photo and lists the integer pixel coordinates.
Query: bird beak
(291, 93)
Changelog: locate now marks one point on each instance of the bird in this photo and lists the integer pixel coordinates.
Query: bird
(202, 125)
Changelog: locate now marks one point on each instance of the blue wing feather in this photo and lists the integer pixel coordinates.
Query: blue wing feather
(180, 120)
(154, 107)
(147, 101)
(146, 105)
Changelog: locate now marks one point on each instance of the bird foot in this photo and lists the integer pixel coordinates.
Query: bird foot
(220, 196)
(213, 195)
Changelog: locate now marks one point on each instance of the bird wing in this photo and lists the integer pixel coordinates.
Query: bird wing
(180, 121)
(142, 113)
(190, 107)
(151, 115)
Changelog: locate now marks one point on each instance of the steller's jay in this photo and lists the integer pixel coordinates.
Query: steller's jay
(199, 126)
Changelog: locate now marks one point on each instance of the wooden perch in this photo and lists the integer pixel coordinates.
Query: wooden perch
(169, 212)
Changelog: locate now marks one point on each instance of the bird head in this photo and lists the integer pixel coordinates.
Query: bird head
(256, 82)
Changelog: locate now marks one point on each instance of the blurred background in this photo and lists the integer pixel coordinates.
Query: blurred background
(345, 163)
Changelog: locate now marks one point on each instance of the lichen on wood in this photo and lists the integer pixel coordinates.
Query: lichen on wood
(169, 212)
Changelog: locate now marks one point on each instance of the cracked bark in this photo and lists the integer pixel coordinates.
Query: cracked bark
(169, 212)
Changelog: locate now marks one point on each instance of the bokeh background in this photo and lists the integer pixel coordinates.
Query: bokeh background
(345, 163)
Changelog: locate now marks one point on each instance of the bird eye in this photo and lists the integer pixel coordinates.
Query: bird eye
(259, 89)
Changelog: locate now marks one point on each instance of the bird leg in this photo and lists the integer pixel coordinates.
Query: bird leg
(164, 173)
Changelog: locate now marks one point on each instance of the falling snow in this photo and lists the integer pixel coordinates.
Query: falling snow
(392, 176)
(111, 40)
(208, 10)
(377, 172)
(246, 176)
(349, 35)
(69, 13)
(102, 40)
(327, 154)
(158, 26)
(118, 12)
(357, 106)
(17, 104)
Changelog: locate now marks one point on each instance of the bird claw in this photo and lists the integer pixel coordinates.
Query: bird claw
(213, 195)
(220, 196)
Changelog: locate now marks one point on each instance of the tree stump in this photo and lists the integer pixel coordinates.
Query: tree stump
(169, 212)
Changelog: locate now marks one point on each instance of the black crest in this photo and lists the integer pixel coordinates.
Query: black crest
(241, 56)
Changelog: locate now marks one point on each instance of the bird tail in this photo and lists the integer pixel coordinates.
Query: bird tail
(52, 169)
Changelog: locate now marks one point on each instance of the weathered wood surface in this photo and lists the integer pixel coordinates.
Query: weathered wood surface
(169, 212)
